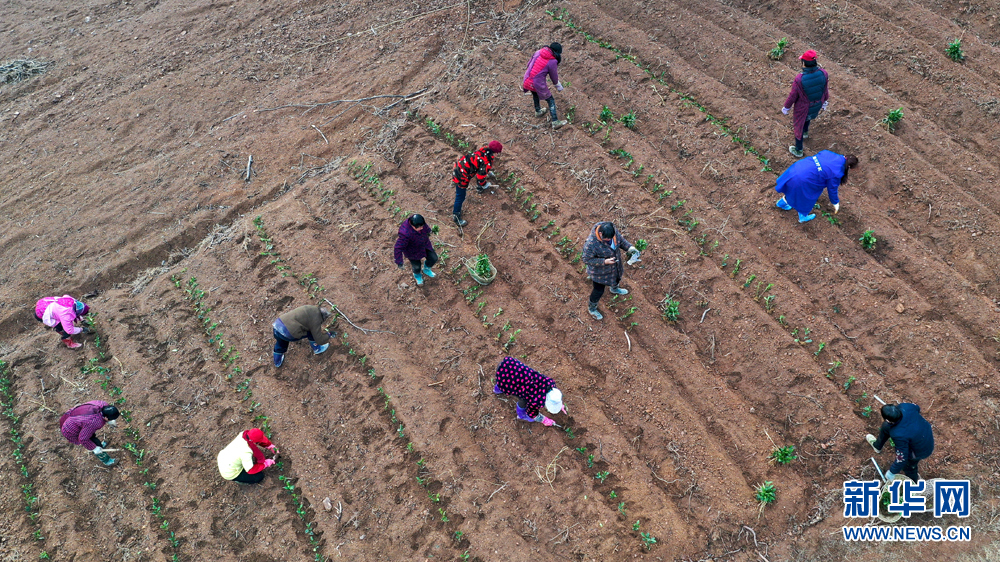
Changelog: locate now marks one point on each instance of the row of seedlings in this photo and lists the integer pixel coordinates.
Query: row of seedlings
(145, 464)
(31, 504)
(228, 356)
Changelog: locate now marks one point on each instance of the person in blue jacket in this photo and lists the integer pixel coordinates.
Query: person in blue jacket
(911, 435)
(804, 181)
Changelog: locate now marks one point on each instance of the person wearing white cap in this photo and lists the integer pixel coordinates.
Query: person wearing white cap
(532, 389)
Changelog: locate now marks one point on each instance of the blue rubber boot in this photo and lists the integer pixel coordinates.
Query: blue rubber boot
(496, 389)
(806, 218)
(618, 290)
(317, 349)
(427, 271)
(783, 205)
(419, 279)
(279, 358)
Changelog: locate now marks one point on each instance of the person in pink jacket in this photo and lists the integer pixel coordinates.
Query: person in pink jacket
(544, 63)
(61, 313)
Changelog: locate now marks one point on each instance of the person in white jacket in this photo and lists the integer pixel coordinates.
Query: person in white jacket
(243, 459)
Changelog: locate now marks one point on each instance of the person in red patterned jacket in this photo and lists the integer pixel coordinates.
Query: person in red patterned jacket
(79, 426)
(479, 164)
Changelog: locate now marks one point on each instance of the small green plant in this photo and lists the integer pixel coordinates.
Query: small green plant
(648, 540)
(783, 455)
(444, 515)
(464, 555)
(831, 219)
(769, 304)
(868, 240)
(635, 526)
(849, 382)
(458, 536)
(822, 345)
(590, 461)
(779, 50)
(606, 115)
(44, 556)
(632, 310)
(866, 411)
(671, 309)
(602, 476)
(435, 229)
(954, 50)
(765, 493)
(628, 119)
(833, 369)
(892, 119)
(612, 494)
(483, 267)
(621, 508)
(641, 245)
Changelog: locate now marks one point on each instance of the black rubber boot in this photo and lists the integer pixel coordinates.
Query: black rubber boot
(458, 220)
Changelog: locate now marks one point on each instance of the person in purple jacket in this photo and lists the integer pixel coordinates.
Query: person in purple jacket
(532, 389)
(804, 181)
(809, 95)
(414, 243)
(544, 63)
(80, 424)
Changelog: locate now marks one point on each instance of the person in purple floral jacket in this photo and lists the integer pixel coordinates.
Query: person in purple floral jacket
(532, 389)
(79, 426)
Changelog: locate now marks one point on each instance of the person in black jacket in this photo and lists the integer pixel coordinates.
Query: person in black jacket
(910, 433)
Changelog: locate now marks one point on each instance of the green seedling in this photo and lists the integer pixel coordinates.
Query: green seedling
(632, 310)
(849, 382)
(458, 536)
(749, 280)
(830, 218)
(641, 245)
(435, 229)
(602, 476)
(612, 494)
(628, 119)
(779, 50)
(44, 556)
(678, 205)
(765, 493)
(581, 450)
(444, 514)
(671, 309)
(892, 119)
(590, 461)
(868, 240)
(434, 497)
(621, 508)
(464, 555)
(736, 269)
(769, 305)
(635, 526)
(954, 50)
(569, 432)
(866, 411)
(648, 540)
(783, 455)
(822, 345)
(606, 115)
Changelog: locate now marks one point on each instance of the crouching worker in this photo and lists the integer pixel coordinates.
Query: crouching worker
(302, 322)
(911, 435)
(243, 459)
(61, 314)
(80, 424)
(532, 389)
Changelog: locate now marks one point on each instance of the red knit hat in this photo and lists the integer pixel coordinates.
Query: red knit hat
(496, 147)
(808, 55)
(256, 436)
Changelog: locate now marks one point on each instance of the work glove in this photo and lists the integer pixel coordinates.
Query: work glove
(98, 450)
(784, 110)
(836, 207)
(490, 174)
(548, 422)
(332, 335)
(271, 447)
(268, 463)
(484, 187)
(889, 477)
(824, 105)
(559, 86)
(85, 330)
(113, 423)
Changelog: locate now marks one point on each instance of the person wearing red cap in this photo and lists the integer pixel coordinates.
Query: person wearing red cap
(243, 460)
(479, 163)
(809, 95)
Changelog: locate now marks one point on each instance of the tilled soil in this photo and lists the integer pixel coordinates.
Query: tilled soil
(125, 179)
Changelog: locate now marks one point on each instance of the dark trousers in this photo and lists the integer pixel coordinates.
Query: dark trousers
(459, 199)
(597, 293)
(249, 478)
(281, 344)
(798, 141)
(910, 466)
(431, 259)
(538, 104)
(58, 328)
(95, 440)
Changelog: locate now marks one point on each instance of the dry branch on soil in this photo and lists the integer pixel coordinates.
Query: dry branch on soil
(21, 69)
(549, 474)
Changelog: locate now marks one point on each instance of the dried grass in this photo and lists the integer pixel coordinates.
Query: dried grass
(21, 69)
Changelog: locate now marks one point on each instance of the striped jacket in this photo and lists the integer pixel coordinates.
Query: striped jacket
(478, 163)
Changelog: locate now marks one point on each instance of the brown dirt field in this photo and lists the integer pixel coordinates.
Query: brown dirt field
(123, 168)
